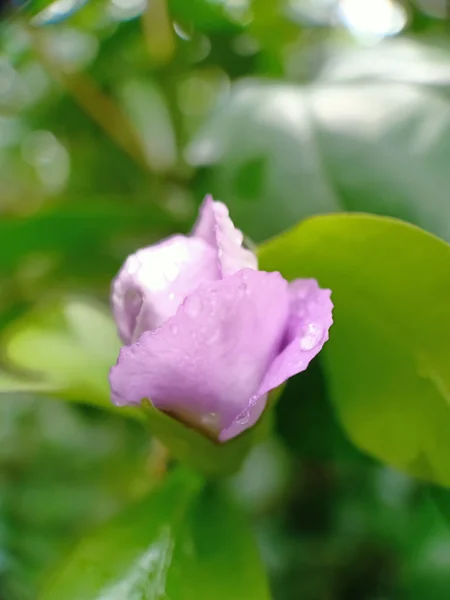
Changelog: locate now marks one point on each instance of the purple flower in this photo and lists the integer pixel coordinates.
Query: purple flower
(208, 335)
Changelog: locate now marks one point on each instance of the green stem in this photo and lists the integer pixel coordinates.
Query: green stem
(158, 31)
(101, 108)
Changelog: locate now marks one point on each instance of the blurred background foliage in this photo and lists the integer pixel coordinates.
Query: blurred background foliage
(116, 117)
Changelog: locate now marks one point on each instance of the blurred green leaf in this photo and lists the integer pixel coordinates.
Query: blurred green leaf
(64, 470)
(77, 235)
(285, 152)
(149, 114)
(130, 557)
(203, 15)
(14, 383)
(71, 346)
(389, 350)
(217, 555)
(260, 143)
(307, 421)
(441, 498)
(398, 60)
(426, 570)
(67, 350)
(170, 545)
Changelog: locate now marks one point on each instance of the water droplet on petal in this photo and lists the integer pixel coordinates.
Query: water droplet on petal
(193, 306)
(171, 296)
(242, 288)
(174, 329)
(244, 417)
(311, 337)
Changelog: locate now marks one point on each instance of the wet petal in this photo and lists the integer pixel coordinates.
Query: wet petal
(215, 227)
(205, 364)
(310, 317)
(245, 419)
(154, 281)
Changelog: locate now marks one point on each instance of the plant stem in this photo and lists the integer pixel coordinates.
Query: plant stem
(158, 31)
(100, 107)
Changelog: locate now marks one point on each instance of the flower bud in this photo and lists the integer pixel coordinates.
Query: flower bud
(207, 335)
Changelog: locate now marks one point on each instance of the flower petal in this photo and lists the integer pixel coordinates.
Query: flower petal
(154, 281)
(309, 321)
(215, 227)
(245, 419)
(205, 364)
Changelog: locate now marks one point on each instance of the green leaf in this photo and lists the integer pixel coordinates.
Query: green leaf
(37, 6)
(388, 355)
(203, 15)
(77, 236)
(129, 558)
(217, 556)
(67, 349)
(149, 115)
(261, 149)
(284, 152)
(307, 422)
(394, 60)
(173, 544)
(10, 383)
(441, 499)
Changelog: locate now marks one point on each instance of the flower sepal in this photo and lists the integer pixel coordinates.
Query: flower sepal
(201, 453)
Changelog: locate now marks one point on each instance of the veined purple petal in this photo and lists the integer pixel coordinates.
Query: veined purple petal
(310, 317)
(154, 281)
(205, 364)
(216, 228)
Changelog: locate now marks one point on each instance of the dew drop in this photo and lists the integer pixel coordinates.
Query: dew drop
(174, 329)
(193, 306)
(171, 296)
(242, 288)
(243, 418)
(311, 337)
